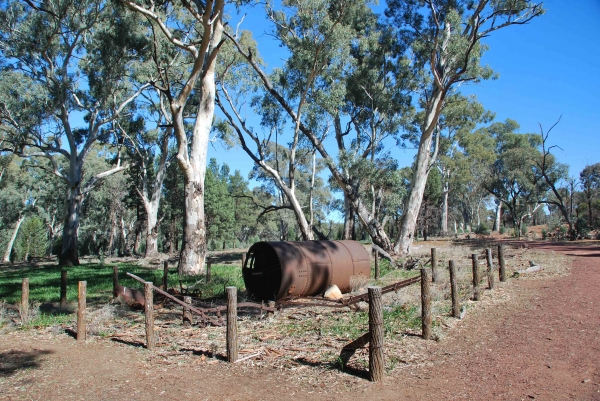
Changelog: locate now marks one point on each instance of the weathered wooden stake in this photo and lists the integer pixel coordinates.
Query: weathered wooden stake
(454, 290)
(425, 304)
(232, 347)
(243, 259)
(187, 314)
(502, 263)
(166, 275)
(476, 278)
(208, 266)
(63, 289)
(376, 256)
(81, 305)
(115, 281)
(376, 361)
(25, 300)
(149, 312)
(434, 260)
(490, 268)
(271, 305)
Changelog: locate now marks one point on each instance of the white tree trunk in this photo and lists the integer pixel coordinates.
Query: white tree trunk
(445, 210)
(498, 216)
(13, 237)
(70, 252)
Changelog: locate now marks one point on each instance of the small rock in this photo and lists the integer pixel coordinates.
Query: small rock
(363, 306)
(333, 292)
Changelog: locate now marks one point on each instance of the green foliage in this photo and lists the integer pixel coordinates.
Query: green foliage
(482, 229)
(32, 240)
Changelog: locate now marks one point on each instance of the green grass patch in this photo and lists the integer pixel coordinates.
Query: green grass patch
(44, 281)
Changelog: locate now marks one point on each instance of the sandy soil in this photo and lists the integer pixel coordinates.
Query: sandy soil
(543, 344)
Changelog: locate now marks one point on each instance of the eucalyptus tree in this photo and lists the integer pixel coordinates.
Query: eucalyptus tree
(551, 173)
(590, 183)
(321, 36)
(445, 38)
(460, 116)
(147, 140)
(187, 38)
(63, 60)
(513, 176)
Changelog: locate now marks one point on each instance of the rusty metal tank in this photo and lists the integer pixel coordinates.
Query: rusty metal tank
(276, 270)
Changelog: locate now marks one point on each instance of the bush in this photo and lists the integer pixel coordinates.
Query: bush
(502, 229)
(482, 229)
(544, 233)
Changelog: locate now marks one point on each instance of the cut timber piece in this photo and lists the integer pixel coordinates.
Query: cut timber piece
(333, 292)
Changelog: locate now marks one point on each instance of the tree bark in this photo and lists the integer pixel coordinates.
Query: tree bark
(70, 252)
(13, 237)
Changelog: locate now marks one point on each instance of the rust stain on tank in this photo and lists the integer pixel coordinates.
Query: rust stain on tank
(274, 270)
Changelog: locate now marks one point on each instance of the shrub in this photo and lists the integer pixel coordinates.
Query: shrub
(544, 233)
(482, 229)
(502, 229)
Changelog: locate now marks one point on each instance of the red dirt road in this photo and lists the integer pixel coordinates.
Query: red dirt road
(544, 344)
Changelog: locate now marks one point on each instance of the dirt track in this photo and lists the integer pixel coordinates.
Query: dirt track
(544, 345)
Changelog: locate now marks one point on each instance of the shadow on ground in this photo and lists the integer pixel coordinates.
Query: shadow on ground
(12, 361)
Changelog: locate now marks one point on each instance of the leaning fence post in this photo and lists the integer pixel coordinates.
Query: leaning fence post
(476, 279)
(244, 259)
(149, 312)
(454, 290)
(425, 304)
(166, 275)
(376, 256)
(232, 348)
(208, 267)
(25, 300)
(490, 268)
(115, 281)
(187, 314)
(502, 263)
(81, 305)
(376, 362)
(434, 260)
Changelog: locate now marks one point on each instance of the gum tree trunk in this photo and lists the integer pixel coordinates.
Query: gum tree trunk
(13, 237)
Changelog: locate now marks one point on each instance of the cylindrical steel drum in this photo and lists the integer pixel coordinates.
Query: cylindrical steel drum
(275, 270)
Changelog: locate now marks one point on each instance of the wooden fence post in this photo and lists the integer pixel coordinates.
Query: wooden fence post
(502, 263)
(166, 275)
(490, 268)
(376, 256)
(376, 361)
(232, 348)
(81, 305)
(115, 281)
(454, 290)
(243, 259)
(25, 300)
(434, 260)
(208, 267)
(425, 304)
(149, 312)
(63, 289)
(476, 279)
(187, 314)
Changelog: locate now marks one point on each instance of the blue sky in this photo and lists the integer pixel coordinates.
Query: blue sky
(548, 68)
